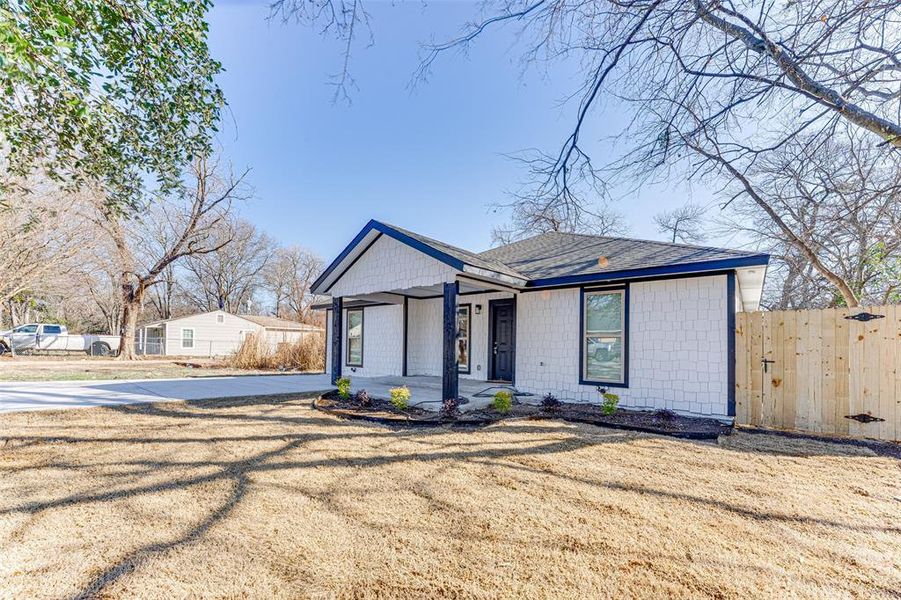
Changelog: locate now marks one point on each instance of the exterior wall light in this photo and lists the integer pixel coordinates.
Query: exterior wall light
(478, 309)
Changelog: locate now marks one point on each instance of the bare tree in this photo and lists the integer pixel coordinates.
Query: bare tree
(97, 279)
(713, 86)
(39, 242)
(190, 218)
(834, 220)
(288, 277)
(532, 217)
(162, 295)
(684, 224)
(229, 277)
(345, 20)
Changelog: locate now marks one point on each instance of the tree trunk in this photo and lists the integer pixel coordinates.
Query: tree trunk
(132, 297)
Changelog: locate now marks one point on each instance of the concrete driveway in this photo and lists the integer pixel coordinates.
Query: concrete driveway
(54, 395)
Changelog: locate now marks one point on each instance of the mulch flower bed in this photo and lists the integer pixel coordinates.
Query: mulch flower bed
(661, 422)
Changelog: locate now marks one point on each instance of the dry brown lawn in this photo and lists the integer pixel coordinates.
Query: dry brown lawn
(276, 500)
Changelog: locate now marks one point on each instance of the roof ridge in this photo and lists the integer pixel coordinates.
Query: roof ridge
(630, 239)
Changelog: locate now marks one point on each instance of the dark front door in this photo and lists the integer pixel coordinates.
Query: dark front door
(502, 339)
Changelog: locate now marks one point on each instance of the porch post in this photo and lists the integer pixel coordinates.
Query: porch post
(337, 334)
(449, 373)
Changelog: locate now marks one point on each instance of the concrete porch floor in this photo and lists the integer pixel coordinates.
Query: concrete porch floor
(425, 390)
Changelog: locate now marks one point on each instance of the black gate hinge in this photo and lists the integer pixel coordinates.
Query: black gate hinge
(864, 317)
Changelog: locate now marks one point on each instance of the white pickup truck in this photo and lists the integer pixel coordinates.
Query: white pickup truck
(52, 337)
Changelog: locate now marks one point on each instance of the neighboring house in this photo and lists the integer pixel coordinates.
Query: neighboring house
(556, 313)
(216, 333)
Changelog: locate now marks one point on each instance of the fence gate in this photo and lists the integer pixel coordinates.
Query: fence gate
(834, 371)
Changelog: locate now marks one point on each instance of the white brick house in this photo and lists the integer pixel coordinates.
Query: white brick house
(556, 313)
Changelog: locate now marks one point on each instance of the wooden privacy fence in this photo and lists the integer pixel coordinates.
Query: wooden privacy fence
(810, 370)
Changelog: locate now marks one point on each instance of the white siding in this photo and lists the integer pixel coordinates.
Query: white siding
(383, 342)
(211, 338)
(286, 336)
(383, 338)
(390, 265)
(677, 346)
(677, 339)
(425, 335)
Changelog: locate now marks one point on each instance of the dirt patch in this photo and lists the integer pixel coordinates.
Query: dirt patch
(272, 499)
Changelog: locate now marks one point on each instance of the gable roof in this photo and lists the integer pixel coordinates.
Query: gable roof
(457, 258)
(556, 258)
(552, 258)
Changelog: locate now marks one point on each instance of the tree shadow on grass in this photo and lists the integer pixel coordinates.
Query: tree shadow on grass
(524, 442)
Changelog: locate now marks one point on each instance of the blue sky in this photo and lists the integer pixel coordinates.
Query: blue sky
(431, 160)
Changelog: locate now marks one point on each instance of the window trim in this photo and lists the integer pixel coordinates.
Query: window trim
(583, 380)
(467, 368)
(347, 312)
(193, 338)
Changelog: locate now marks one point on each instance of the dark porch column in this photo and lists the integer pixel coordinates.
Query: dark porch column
(337, 334)
(449, 373)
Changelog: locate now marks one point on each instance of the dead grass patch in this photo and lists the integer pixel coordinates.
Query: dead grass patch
(271, 499)
(256, 352)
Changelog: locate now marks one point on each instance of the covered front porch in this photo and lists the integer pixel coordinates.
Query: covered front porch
(403, 311)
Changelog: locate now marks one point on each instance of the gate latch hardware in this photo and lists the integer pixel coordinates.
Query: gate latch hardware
(864, 317)
(766, 364)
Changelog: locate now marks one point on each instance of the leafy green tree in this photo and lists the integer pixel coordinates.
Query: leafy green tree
(118, 93)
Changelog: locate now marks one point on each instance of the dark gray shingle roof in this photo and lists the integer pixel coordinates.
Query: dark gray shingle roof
(556, 254)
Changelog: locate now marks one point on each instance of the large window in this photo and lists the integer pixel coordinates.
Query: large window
(355, 338)
(464, 329)
(604, 342)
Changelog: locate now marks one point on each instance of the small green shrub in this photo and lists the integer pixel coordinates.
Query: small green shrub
(608, 406)
(343, 388)
(503, 402)
(400, 397)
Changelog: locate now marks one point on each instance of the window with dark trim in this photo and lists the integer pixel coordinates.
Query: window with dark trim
(354, 338)
(464, 331)
(604, 343)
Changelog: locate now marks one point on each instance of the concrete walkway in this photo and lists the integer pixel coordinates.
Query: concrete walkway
(54, 395)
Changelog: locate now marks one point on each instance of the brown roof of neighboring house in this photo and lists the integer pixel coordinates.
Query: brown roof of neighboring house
(277, 323)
